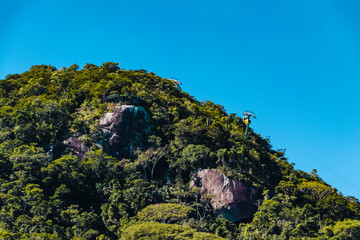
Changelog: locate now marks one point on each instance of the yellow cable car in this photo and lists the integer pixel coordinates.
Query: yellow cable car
(247, 121)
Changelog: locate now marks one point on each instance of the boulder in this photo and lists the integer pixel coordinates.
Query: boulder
(124, 129)
(78, 146)
(232, 199)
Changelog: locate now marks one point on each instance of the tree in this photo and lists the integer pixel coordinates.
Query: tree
(164, 212)
(150, 158)
(316, 190)
(158, 231)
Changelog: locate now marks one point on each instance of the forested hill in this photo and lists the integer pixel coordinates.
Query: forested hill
(106, 153)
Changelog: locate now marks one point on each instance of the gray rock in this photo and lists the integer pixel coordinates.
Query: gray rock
(77, 145)
(124, 129)
(232, 199)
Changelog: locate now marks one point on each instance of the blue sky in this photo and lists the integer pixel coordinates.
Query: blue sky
(296, 64)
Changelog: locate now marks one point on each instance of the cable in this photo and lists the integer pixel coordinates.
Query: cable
(311, 157)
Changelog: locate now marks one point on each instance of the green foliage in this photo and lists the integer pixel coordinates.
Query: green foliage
(347, 229)
(46, 192)
(192, 157)
(315, 190)
(164, 212)
(150, 158)
(161, 231)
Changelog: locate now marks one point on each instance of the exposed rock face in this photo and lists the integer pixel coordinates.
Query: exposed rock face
(124, 129)
(233, 199)
(77, 145)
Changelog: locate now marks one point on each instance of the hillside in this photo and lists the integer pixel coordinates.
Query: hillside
(106, 153)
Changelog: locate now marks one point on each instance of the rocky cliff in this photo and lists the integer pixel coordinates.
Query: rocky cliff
(123, 130)
(233, 199)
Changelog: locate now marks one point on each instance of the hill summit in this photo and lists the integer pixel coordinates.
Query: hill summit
(108, 153)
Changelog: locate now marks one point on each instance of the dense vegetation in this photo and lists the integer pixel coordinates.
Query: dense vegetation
(144, 195)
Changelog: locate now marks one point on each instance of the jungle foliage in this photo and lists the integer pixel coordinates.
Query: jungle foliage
(46, 192)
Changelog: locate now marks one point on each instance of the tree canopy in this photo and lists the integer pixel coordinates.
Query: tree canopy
(46, 192)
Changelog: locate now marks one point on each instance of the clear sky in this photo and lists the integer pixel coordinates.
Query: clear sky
(296, 64)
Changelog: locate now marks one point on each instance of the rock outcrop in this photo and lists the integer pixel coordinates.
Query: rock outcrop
(78, 146)
(233, 199)
(123, 130)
